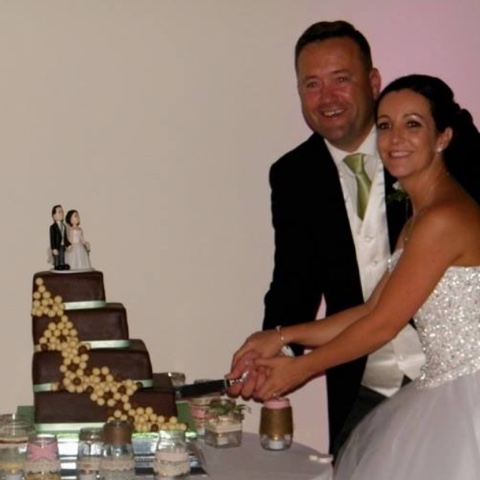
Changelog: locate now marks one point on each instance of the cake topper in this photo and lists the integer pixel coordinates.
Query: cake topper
(77, 254)
(58, 239)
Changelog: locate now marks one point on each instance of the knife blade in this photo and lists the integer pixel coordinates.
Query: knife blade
(205, 388)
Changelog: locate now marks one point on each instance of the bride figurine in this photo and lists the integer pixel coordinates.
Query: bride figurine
(78, 253)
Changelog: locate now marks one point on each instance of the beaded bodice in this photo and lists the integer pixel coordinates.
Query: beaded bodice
(448, 325)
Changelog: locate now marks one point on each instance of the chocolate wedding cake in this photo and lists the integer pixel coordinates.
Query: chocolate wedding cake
(85, 369)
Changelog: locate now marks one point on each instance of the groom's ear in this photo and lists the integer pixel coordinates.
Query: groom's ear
(375, 80)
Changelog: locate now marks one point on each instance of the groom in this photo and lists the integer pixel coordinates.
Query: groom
(58, 239)
(329, 241)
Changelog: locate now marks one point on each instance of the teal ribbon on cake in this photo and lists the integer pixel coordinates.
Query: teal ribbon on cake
(85, 304)
(47, 387)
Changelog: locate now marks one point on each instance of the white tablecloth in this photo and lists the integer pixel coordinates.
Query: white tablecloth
(251, 462)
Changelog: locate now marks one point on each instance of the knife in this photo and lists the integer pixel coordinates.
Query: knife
(205, 388)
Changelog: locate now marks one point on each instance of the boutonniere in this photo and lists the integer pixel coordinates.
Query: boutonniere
(398, 195)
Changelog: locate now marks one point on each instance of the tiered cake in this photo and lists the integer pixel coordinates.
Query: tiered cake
(86, 370)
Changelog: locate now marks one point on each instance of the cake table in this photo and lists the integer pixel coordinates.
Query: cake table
(251, 462)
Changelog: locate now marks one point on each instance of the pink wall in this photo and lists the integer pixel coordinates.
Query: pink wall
(436, 37)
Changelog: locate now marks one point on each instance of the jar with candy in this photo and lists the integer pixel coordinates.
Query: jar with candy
(171, 456)
(43, 461)
(14, 433)
(118, 460)
(90, 447)
(199, 409)
(276, 424)
(223, 427)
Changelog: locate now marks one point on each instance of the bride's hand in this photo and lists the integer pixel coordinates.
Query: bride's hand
(282, 375)
(259, 345)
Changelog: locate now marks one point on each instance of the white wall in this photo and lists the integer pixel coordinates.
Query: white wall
(158, 121)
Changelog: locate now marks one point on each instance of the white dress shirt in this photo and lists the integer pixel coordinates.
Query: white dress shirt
(61, 227)
(403, 355)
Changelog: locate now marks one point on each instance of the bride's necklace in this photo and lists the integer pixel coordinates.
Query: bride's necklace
(424, 203)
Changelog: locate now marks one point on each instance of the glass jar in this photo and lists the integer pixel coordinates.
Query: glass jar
(276, 424)
(118, 460)
(171, 456)
(14, 433)
(223, 427)
(199, 409)
(90, 447)
(43, 461)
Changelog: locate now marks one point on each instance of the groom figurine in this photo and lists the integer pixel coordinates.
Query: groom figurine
(58, 239)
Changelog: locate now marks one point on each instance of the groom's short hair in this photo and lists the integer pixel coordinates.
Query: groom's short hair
(54, 209)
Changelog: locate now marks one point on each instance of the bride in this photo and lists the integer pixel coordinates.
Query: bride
(431, 427)
(78, 253)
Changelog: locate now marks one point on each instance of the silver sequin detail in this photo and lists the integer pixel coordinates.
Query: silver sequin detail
(448, 325)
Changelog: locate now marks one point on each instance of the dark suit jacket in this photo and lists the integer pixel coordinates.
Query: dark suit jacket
(56, 237)
(315, 255)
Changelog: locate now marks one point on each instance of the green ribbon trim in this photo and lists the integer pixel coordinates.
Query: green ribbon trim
(108, 343)
(85, 304)
(65, 427)
(94, 344)
(47, 387)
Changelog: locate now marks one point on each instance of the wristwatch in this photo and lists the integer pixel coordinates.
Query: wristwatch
(287, 351)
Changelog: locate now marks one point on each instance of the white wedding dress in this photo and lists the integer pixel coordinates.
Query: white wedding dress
(77, 255)
(431, 428)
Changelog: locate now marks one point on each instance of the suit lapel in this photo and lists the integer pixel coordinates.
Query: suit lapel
(335, 239)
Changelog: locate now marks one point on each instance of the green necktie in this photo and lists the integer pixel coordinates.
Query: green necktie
(355, 164)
